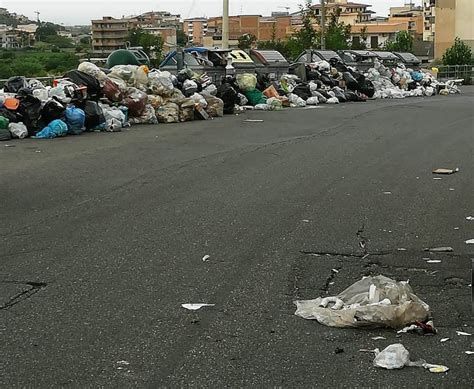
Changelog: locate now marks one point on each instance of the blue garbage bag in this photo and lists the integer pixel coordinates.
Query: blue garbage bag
(75, 119)
(417, 76)
(55, 128)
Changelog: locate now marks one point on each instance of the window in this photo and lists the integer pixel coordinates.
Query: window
(356, 40)
(374, 42)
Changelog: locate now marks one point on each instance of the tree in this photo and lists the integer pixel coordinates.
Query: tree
(46, 30)
(59, 41)
(246, 41)
(403, 42)
(306, 37)
(181, 38)
(458, 54)
(152, 44)
(337, 34)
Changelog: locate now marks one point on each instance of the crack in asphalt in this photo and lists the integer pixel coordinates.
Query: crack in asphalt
(35, 287)
(363, 241)
(325, 287)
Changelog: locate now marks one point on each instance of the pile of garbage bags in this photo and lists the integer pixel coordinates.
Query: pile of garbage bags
(89, 99)
(92, 99)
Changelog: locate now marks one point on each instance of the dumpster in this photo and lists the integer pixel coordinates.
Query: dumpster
(270, 62)
(360, 59)
(389, 59)
(242, 62)
(409, 60)
(201, 60)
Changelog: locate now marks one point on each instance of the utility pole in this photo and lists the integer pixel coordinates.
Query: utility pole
(225, 25)
(323, 25)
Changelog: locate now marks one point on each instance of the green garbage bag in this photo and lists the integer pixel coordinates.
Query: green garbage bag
(5, 134)
(4, 122)
(255, 97)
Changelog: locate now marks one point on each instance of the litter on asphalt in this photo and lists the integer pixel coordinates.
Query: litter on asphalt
(470, 218)
(378, 338)
(445, 171)
(445, 249)
(434, 261)
(470, 241)
(195, 307)
(420, 328)
(396, 356)
(444, 340)
(461, 333)
(253, 121)
(206, 258)
(371, 302)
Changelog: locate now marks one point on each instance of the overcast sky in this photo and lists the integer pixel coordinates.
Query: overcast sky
(82, 11)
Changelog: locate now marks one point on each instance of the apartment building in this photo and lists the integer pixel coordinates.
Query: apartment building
(109, 34)
(454, 18)
(377, 34)
(195, 30)
(263, 28)
(429, 15)
(350, 12)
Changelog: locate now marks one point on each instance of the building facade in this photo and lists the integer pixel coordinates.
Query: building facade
(109, 34)
(263, 28)
(454, 18)
(195, 29)
(429, 14)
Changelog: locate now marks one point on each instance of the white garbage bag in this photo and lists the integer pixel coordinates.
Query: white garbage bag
(18, 130)
(296, 100)
(161, 83)
(312, 101)
(396, 356)
(332, 100)
(246, 82)
(371, 302)
(92, 70)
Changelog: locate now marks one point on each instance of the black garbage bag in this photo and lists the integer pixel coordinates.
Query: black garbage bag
(12, 116)
(263, 82)
(53, 110)
(94, 115)
(367, 88)
(229, 96)
(328, 80)
(24, 92)
(83, 79)
(302, 90)
(351, 82)
(312, 74)
(353, 96)
(339, 65)
(326, 95)
(30, 110)
(14, 84)
(339, 94)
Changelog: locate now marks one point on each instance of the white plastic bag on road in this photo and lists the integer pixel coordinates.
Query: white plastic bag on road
(371, 302)
(396, 356)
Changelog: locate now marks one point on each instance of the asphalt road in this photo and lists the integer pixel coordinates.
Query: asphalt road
(102, 238)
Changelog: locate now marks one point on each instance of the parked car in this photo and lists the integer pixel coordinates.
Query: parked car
(213, 62)
(270, 62)
(409, 60)
(360, 59)
(387, 58)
